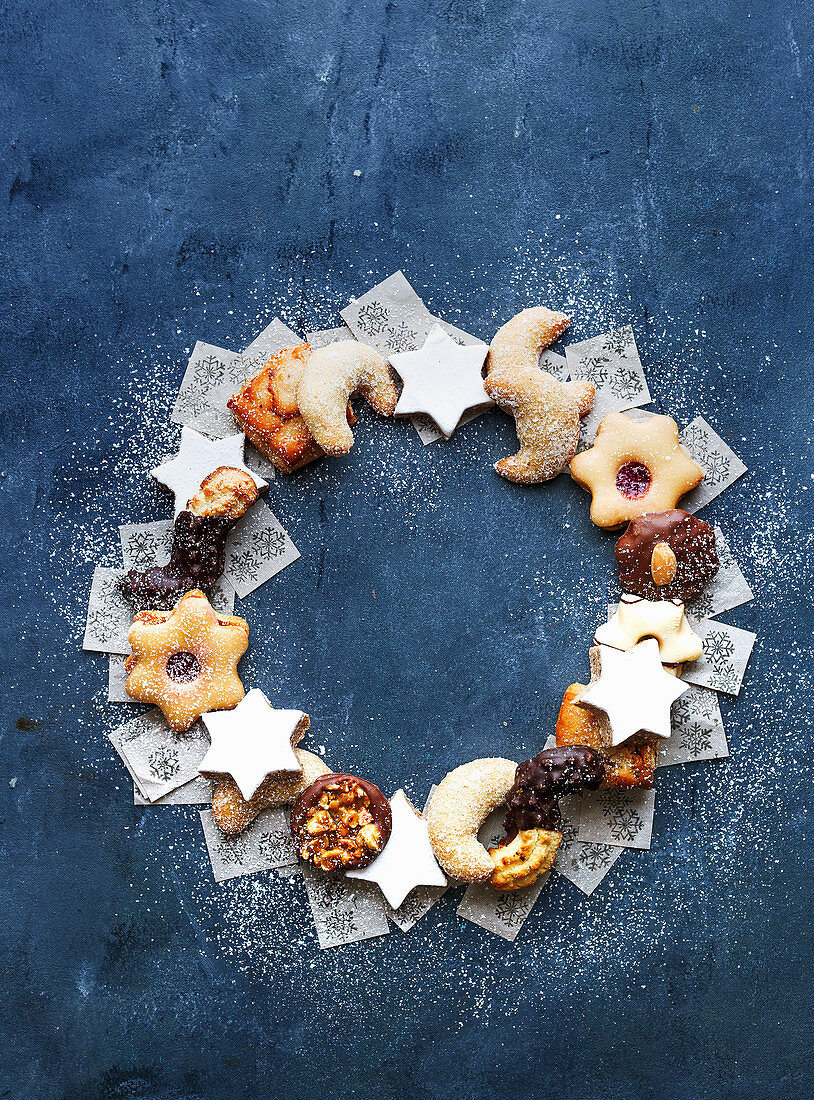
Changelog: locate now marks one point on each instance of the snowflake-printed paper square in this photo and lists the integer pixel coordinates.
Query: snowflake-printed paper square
(617, 816)
(320, 338)
(697, 730)
(611, 361)
(109, 615)
(158, 759)
(263, 845)
(583, 864)
(257, 549)
(720, 463)
(197, 792)
(726, 652)
(208, 366)
(556, 365)
(116, 679)
(728, 589)
(344, 911)
(146, 544)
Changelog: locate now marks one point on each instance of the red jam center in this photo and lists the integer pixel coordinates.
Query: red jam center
(183, 667)
(633, 480)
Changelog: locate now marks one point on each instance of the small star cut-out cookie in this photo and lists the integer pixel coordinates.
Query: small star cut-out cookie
(197, 457)
(442, 380)
(634, 467)
(252, 742)
(185, 661)
(663, 620)
(634, 691)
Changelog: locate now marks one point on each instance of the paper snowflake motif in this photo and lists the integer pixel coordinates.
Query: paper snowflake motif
(275, 845)
(618, 341)
(209, 371)
(373, 318)
(695, 438)
(191, 402)
(701, 605)
(340, 924)
(569, 833)
(626, 384)
(141, 548)
(594, 369)
(102, 623)
(163, 763)
(595, 857)
(696, 738)
(512, 911)
(246, 565)
(270, 542)
(624, 824)
(725, 679)
(329, 892)
(232, 851)
(402, 338)
(718, 648)
(716, 467)
(412, 908)
(691, 706)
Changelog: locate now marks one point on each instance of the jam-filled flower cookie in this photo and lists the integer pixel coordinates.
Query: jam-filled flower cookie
(667, 556)
(341, 822)
(185, 661)
(546, 411)
(332, 375)
(634, 467)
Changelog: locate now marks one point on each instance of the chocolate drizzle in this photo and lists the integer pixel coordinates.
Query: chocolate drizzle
(540, 782)
(196, 561)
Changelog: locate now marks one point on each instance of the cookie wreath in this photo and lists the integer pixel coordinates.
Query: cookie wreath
(297, 409)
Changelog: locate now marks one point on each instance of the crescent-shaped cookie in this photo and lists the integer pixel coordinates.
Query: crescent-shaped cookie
(231, 811)
(459, 806)
(546, 411)
(332, 375)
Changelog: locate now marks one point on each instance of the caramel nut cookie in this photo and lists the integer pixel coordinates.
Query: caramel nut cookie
(341, 822)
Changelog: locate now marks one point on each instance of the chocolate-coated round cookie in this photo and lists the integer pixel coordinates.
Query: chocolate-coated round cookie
(539, 783)
(341, 822)
(666, 556)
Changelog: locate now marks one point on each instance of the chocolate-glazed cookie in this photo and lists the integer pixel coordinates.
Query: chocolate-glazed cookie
(533, 801)
(341, 822)
(666, 556)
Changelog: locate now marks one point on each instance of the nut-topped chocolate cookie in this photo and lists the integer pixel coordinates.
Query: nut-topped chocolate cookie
(666, 556)
(341, 822)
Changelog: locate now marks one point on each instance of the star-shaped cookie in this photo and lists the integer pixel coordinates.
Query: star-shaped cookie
(442, 379)
(634, 691)
(252, 742)
(634, 467)
(663, 620)
(407, 859)
(197, 457)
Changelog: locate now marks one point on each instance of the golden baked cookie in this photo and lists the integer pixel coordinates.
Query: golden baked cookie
(632, 764)
(519, 862)
(459, 806)
(332, 375)
(227, 492)
(231, 811)
(185, 660)
(634, 467)
(663, 620)
(546, 411)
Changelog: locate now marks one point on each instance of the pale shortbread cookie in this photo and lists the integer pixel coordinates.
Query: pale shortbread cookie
(546, 411)
(332, 375)
(232, 812)
(520, 862)
(663, 620)
(459, 806)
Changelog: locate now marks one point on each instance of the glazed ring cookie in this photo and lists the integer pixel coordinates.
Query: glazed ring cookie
(231, 811)
(634, 467)
(459, 806)
(663, 620)
(185, 661)
(331, 376)
(546, 411)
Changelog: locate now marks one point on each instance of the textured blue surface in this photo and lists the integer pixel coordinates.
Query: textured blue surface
(182, 170)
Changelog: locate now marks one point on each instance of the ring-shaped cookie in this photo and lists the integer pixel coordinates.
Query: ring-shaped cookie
(332, 375)
(546, 411)
(459, 806)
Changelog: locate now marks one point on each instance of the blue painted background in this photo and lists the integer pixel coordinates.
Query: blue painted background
(182, 170)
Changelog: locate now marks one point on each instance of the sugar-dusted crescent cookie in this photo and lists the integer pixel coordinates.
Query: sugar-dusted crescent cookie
(634, 467)
(185, 661)
(632, 764)
(332, 375)
(459, 806)
(231, 811)
(546, 411)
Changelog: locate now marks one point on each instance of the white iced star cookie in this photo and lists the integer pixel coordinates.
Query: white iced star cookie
(442, 379)
(664, 620)
(634, 691)
(252, 742)
(406, 861)
(197, 457)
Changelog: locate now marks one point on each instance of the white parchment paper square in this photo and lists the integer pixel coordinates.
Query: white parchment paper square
(617, 816)
(158, 760)
(264, 844)
(257, 549)
(146, 544)
(208, 366)
(721, 465)
(198, 792)
(722, 665)
(116, 679)
(584, 864)
(697, 730)
(729, 587)
(344, 910)
(320, 338)
(611, 361)
(109, 615)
